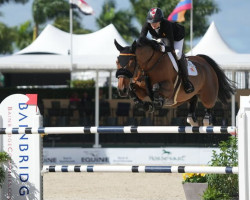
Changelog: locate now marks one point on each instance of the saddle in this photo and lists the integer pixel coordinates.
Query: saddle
(191, 70)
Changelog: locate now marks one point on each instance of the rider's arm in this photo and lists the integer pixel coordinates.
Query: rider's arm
(144, 30)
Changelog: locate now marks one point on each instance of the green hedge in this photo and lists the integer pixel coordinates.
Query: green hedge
(61, 93)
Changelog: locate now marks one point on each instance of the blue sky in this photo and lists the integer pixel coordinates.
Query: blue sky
(233, 20)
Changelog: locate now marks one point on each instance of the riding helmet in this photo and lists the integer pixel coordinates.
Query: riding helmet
(154, 15)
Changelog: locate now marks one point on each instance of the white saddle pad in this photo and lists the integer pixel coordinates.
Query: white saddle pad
(192, 71)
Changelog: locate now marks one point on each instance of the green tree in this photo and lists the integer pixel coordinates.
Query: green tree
(63, 24)
(7, 36)
(24, 34)
(201, 10)
(58, 11)
(45, 10)
(121, 19)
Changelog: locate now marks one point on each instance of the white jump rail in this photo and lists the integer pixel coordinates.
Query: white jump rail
(139, 169)
(120, 129)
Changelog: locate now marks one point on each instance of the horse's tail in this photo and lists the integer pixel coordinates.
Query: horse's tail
(226, 86)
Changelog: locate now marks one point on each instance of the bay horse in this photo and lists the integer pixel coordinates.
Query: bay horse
(142, 65)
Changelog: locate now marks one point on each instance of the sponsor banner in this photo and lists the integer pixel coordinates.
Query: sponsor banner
(128, 156)
(22, 172)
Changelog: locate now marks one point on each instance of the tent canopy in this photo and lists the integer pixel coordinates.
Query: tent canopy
(50, 52)
(213, 45)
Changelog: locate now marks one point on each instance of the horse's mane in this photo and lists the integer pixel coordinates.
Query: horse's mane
(144, 41)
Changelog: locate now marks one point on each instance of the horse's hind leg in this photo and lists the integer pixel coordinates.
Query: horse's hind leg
(207, 120)
(192, 119)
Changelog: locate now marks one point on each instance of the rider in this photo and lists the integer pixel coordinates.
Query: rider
(168, 34)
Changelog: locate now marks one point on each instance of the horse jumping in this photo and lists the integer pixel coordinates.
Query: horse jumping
(144, 71)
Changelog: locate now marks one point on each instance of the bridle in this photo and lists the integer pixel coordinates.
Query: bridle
(123, 72)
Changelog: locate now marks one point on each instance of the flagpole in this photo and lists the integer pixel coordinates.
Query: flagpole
(71, 38)
(191, 28)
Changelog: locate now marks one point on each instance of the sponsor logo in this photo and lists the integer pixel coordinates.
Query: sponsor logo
(24, 161)
(50, 160)
(18, 113)
(167, 156)
(94, 158)
(165, 152)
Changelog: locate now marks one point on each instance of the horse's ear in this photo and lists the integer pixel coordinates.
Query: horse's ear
(134, 46)
(118, 46)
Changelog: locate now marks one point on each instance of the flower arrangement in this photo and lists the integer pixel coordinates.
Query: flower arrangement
(194, 178)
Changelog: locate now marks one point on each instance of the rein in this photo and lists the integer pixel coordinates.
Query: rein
(155, 64)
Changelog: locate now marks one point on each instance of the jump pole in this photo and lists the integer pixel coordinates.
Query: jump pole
(120, 129)
(139, 169)
(243, 124)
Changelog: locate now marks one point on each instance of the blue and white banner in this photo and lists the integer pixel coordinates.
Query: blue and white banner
(128, 156)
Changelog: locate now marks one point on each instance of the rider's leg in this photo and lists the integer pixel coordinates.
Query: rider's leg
(182, 65)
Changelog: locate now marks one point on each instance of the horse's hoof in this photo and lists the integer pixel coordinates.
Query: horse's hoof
(158, 104)
(206, 122)
(137, 104)
(148, 107)
(151, 109)
(192, 122)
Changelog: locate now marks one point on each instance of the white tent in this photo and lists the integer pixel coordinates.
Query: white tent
(213, 45)
(50, 52)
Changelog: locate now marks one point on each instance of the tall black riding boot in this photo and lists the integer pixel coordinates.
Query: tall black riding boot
(188, 86)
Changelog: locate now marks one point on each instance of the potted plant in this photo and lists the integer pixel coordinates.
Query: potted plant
(3, 158)
(224, 186)
(194, 185)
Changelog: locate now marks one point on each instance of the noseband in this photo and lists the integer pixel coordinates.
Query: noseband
(123, 71)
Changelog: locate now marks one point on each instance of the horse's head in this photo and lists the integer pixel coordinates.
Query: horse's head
(126, 64)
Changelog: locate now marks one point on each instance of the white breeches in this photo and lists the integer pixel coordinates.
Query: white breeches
(178, 47)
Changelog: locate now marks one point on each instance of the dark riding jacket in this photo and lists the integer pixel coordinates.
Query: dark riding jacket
(170, 30)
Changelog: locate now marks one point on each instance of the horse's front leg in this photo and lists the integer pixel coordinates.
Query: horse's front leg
(158, 99)
(163, 90)
(192, 119)
(138, 94)
(207, 120)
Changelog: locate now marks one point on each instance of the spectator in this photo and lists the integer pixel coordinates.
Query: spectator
(74, 101)
(86, 104)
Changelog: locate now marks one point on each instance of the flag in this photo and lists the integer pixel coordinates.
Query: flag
(83, 6)
(32, 99)
(178, 13)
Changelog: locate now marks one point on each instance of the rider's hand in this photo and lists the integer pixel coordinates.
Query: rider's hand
(162, 48)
